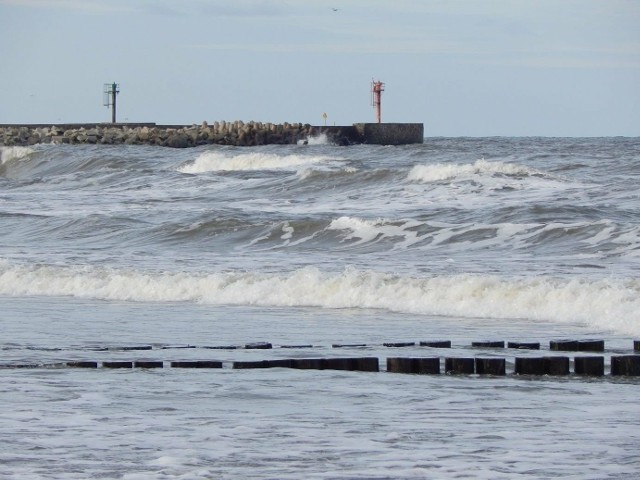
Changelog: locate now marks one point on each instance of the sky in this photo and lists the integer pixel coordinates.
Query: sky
(564, 68)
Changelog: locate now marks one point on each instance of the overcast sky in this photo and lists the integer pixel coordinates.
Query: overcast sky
(461, 67)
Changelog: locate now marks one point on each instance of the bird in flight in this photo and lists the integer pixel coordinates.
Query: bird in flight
(334, 9)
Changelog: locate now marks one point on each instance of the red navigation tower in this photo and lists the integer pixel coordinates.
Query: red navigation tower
(376, 96)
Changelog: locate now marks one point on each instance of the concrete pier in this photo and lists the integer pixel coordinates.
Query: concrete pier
(390, 133)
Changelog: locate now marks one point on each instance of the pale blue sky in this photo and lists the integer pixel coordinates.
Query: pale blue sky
(462, 67)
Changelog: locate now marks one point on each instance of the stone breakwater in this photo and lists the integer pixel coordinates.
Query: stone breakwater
(176, 136)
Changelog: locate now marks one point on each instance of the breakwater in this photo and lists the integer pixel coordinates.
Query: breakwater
(592, 366)
(236, 133)
(490, 363)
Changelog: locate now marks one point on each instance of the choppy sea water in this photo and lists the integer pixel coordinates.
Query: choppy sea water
(464, 239)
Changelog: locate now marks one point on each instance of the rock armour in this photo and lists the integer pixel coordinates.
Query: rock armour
(176, 136)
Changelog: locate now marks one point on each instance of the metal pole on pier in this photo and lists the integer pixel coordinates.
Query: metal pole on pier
(109, 98)
(376, 98)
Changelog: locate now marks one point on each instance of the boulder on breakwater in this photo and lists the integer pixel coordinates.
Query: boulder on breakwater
(238, 134)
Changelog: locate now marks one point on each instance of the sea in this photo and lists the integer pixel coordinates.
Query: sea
(105, 249)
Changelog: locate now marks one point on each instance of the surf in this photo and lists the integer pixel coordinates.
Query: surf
(605, 304)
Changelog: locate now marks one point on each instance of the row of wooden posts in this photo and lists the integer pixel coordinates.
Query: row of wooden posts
(627, 365)
(621, 365)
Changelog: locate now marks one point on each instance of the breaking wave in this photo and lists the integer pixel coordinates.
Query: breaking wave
(7, 154)
(441, 172)
(581, 238)
(606, 304)
(219, 162)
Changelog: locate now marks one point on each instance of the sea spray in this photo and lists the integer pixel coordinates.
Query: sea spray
(321, 139)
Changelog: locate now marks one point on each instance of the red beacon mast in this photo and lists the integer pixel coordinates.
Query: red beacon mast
(376, 98)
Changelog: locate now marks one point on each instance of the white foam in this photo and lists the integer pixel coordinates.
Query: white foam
(405, 233)
(287, 231)
(335, 165)
(321, 139)
(365, 230)
(371, 230)
(8, 154)
(440, 172)
(607, 304)
(219, 162)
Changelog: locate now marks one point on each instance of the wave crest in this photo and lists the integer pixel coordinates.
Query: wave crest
(372, 230)
(605, 304)
(219, 162)
(441, 172)
(7, 154)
